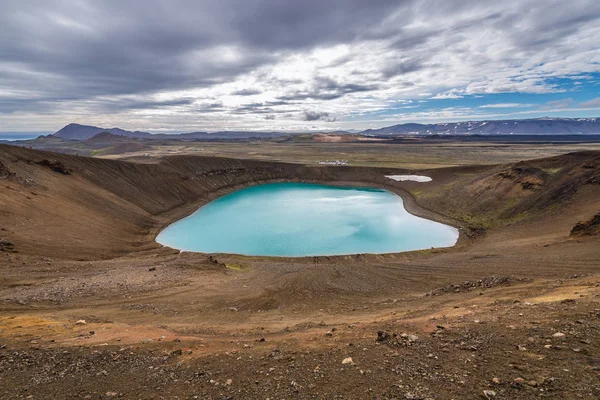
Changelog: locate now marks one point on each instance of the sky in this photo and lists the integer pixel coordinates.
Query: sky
(200, 65)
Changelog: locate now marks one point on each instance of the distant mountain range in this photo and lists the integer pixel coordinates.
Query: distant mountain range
(85, 132)
(536, 126)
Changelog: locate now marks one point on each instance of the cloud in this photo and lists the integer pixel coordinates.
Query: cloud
(402, 68)
(246, 92)
(594, 103)
(507, 105)
(324, 88)
(559, 104)
(316, 116)
(451, 94)
(193, 64)
(210, 107)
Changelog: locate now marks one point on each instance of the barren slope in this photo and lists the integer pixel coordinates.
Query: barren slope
(77, 242)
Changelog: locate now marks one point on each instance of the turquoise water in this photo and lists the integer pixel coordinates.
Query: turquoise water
(297, 219)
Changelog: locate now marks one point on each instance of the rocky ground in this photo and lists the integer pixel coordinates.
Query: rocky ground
(91, 307)
(480, 343)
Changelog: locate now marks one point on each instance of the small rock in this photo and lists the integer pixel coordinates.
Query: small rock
(532, 383)
(558, 335)
(146, 340)
(489, 394)
(228, 382)
(519, 381)
(347, 360)
(382, 336)
(496, 381)
(111, 394)
(152, 269)
(82, 322)
(412, 338)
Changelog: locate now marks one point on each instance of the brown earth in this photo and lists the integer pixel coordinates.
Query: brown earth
(587, 228)
(164, 324)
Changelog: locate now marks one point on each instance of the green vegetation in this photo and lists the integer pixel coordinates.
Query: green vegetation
(552, 171)
(237, 267)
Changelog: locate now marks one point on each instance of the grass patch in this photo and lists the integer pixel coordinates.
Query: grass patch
(552, 171)
(237, 267)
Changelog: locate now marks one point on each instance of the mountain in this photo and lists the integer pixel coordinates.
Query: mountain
(536, 126)
(84, 132)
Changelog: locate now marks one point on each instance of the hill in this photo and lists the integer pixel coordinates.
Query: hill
(107, 189)
(84, 132)
(536, 126)
(107, 137)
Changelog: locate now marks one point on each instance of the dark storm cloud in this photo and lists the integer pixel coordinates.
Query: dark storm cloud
(113, 47)
(210, 107)
(146, 104)
(547, 23)
(327, 89)
(246, 92)
(316, 116)
(300, 24)
(252, 108)
(101, 106)
(402, 68)
(264, 108)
